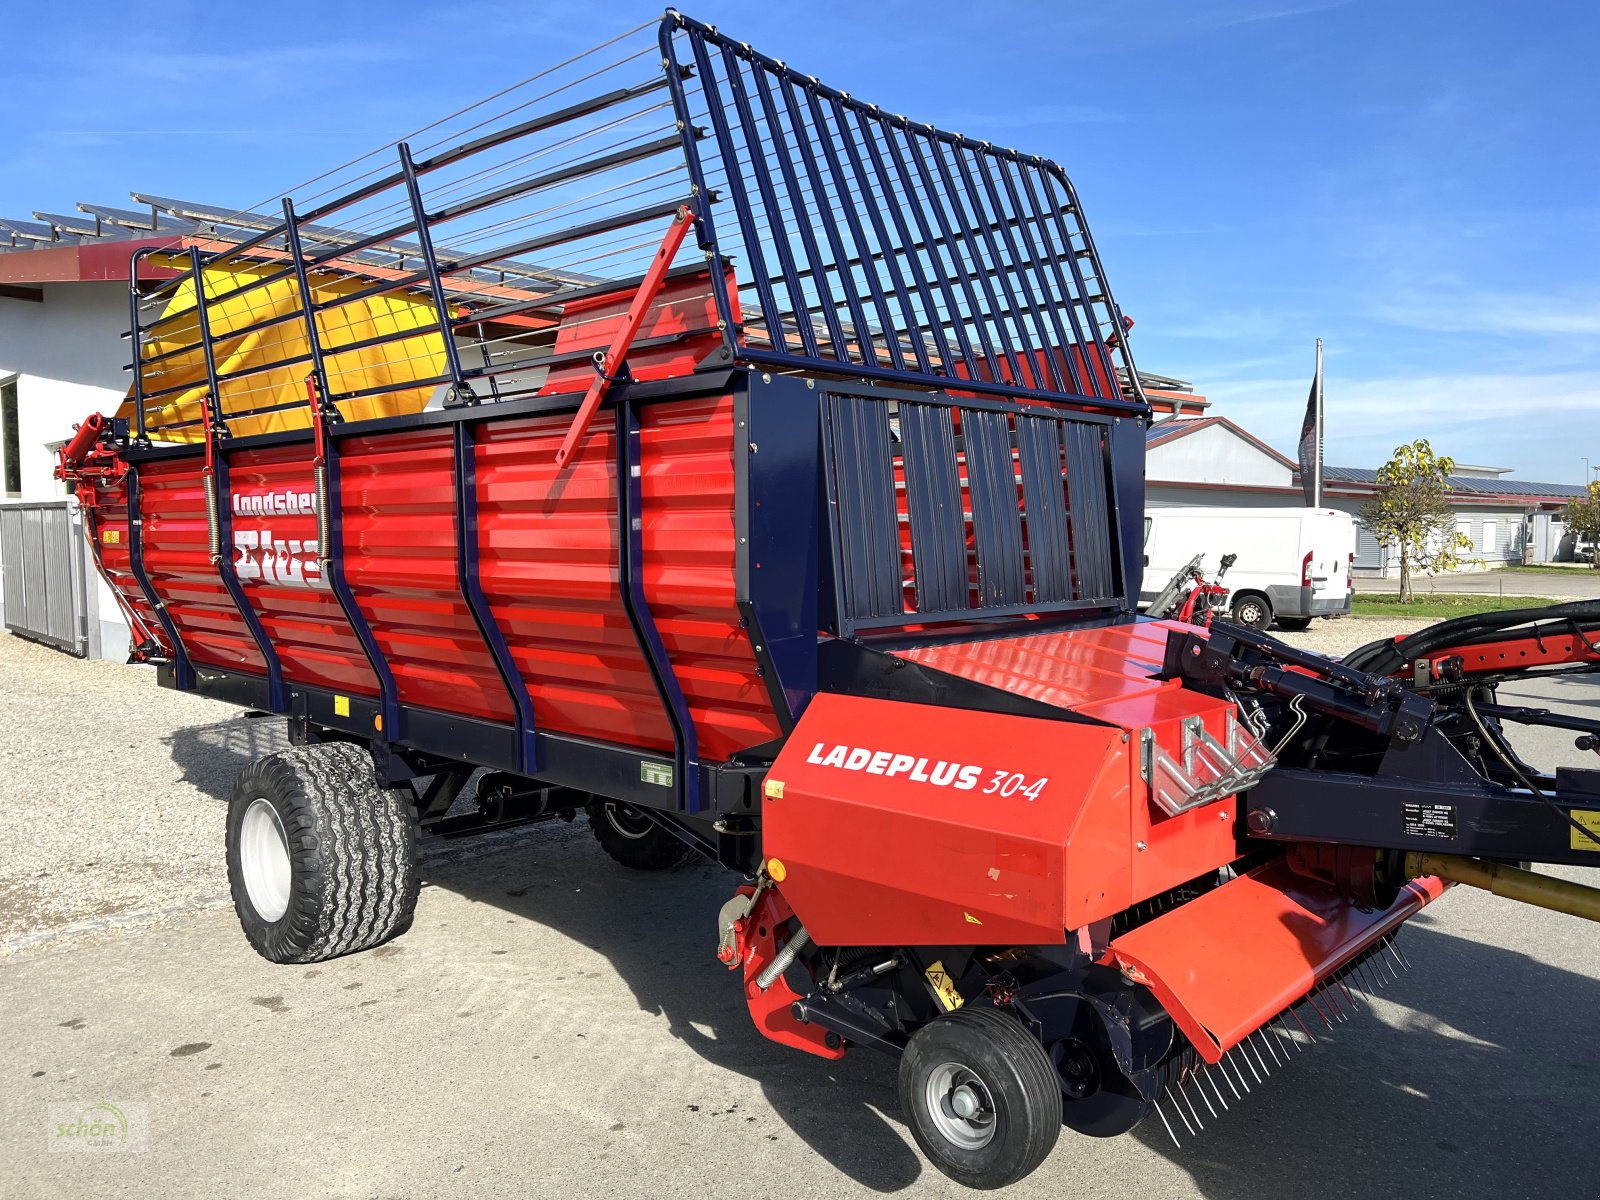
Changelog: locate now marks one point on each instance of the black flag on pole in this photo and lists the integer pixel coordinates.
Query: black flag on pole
(1311, 439)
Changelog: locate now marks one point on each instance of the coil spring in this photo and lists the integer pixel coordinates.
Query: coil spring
(213, 528)
(319, 475)
(784, 959)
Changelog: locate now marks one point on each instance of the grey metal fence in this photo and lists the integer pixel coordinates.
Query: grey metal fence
(43, 573)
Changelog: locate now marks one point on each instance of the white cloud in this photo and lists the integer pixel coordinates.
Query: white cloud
(1494, 313)
(1231, 15)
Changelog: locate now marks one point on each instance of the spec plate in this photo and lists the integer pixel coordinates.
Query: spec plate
(1430, 821)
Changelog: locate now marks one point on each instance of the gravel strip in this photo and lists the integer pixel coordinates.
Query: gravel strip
(115, 793)
(1339, 637)
(115, 790)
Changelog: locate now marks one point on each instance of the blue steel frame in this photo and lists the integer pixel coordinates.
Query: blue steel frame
(1013, 287)
(222, 510)
(183, 669)
(441, 306)
(686, 781)
(470, 582)
(137, 257)
(331, 498)
(700, 196)
(777, 523)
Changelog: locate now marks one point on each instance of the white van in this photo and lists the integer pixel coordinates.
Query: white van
(1293, 565)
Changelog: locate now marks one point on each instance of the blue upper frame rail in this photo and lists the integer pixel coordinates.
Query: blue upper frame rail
(867, 245)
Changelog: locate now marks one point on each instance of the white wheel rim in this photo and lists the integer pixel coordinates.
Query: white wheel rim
(629, 822)
(264, 860)
(959, 1106)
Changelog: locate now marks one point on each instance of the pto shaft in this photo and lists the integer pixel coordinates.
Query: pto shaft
(1529, 887)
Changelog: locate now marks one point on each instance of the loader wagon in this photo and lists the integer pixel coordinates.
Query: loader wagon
(761, 471)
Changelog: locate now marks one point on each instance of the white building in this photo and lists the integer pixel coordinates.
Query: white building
(1210, 460)
(63, 306)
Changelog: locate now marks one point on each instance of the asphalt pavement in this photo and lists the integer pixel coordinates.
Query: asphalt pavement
(556, 1026)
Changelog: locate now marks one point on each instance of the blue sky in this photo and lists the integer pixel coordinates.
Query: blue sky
(1415, 181)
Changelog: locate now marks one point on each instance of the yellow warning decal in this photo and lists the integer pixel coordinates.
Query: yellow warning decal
(111, 537)
(971, 920)
(341, 706)
(773, 789)
(944, 988)
(1590, 820)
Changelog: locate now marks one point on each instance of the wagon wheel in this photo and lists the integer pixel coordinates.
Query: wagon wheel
(631, 837)
(981, 1097)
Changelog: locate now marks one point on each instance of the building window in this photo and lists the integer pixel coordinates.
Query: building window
(9, 437)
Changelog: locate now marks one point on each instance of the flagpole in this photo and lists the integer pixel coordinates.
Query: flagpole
(1316, 485)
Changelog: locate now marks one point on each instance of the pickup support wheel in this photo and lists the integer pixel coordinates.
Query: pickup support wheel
(631, 838)
(322, 861)
(982, 1098)
(1252, 611)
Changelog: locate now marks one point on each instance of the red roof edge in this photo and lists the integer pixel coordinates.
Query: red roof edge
(87, 262)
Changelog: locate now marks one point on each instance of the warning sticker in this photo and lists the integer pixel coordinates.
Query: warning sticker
(1429, 821)
(1590, 820)
(944, 988)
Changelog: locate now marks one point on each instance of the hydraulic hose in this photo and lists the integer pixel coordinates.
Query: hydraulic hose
(1391, 655)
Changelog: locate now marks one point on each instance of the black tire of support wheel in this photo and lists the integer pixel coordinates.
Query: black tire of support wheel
(1020, 1080)
(353, 853)
(1252, 611)
(1294, 624)
(632, 839)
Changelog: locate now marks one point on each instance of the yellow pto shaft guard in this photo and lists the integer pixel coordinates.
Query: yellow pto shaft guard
(1529, 887)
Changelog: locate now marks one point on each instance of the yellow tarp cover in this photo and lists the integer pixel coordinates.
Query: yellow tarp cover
(275, 399)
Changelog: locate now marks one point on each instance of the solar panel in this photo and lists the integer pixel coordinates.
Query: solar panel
(328, 235)
(206, 214)
(86, 226)
(33, 231)
(1468, 484)
(144, 222)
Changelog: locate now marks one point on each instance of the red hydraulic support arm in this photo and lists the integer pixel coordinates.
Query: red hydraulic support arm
(74, 452)
(1516, 653)
(607, 364)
